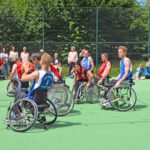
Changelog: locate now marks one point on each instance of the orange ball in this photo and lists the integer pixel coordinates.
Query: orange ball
(28, 65)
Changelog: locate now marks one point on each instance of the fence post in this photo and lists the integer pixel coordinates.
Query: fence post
(97, 38)
(43, 21)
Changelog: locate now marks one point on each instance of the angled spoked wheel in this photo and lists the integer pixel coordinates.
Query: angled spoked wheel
(22, 115)
(61, 97)
(122, 99)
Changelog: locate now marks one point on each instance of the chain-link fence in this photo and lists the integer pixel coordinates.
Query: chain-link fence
(96, 29)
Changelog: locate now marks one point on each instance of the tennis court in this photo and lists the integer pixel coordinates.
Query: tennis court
(87, 127)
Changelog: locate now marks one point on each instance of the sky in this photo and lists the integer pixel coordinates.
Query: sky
(142, 1)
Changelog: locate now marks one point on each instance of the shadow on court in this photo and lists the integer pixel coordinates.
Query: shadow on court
(74, 113)
(38, 128)
(113, 123)
(139, 107)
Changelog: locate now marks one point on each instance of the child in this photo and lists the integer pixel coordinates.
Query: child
(57, 63)
(79, 77)
(17, 71)
(35, 58)
(55, 72)
(42, 80)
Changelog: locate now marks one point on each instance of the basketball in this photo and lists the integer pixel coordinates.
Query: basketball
(28, 65)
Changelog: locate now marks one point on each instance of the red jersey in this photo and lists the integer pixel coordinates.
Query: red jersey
(1, 62)
(19, 72)
(55, 71)
(81, 75)
(102, 69)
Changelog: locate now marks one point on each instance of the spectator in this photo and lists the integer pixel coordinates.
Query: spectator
(24, 55)
(2, 74)
(147, 70)
(13, 55)
(4, 56)
(139, 72)
(72, 58)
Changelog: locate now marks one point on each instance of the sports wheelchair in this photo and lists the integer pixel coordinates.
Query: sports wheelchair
(61, 96)
(11, 86)
(23, 113)
(121, 99)
(81, 92)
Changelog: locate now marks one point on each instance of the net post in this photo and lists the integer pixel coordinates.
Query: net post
(97, 46)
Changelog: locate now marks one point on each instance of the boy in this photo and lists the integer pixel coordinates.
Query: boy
(42, 80)
(79, 77)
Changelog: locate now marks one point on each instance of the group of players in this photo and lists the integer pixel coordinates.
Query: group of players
(41, 67)
(84, 70)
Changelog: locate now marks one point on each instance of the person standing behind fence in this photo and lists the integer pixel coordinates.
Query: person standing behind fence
(24, 55)
(13, 55)
(72, 58)
(4, 56)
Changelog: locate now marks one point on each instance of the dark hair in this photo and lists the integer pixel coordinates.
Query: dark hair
(36, 55)
(105, 54)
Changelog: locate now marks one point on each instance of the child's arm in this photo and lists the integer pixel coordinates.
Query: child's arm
(29, 77)
(13, 71)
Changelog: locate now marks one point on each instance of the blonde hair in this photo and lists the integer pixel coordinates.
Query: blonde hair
(46, 59)
(123, 48)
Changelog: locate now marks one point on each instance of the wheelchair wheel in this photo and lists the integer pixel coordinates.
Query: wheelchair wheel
(61, 98)
(92, 93)
(122, 99)
(48, 115)
(12, 86)
(22, 115)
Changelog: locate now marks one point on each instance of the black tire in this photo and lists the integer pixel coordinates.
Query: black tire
(50, 117)
(92, 93)
(122, 99)
(80, 91)
(61, 98)
(22, 115)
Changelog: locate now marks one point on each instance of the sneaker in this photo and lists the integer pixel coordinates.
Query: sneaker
(103, 100)
(106, 105)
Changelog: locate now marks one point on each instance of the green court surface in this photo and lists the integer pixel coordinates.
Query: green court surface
(86, 128)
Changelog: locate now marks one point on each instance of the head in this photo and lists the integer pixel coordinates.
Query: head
(72, 48)
(4, 50)
(35, 58)
(42, 51)
(141, 65)
(86, 53)
(25, 49)
(122, 52)
(19, 59)
(13, 48)
(55, 55)
(46, 60)
(77, 67)
(104, 57)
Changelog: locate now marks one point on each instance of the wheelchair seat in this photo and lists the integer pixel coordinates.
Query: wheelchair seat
(60, 81)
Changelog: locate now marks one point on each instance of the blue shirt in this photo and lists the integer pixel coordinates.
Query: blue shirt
(86, 63)
(44, 81)
(122, 69)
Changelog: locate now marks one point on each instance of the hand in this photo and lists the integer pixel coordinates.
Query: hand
(100, 81)
(117, 85)
(27, 70)
(88, 84)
